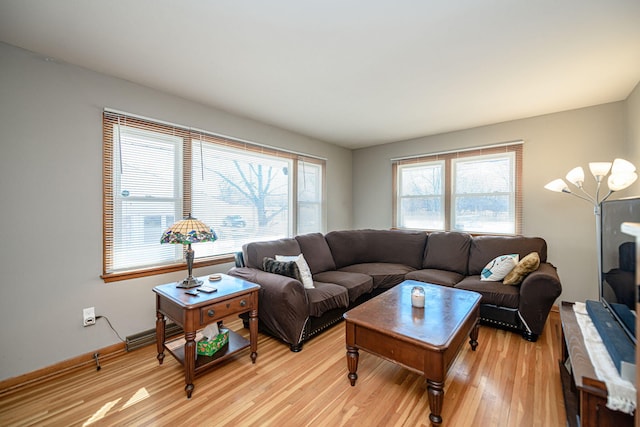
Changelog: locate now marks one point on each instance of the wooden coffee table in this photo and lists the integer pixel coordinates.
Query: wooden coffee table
(425, 340)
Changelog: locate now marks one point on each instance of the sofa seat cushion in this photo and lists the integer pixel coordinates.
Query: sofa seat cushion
(357, 284)
(325, 297)
(384, 274)
(492, 292)
(438, 277)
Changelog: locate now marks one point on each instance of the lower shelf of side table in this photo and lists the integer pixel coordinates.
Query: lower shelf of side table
(236, 343)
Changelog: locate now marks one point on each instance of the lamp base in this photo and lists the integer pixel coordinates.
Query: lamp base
(189, 282)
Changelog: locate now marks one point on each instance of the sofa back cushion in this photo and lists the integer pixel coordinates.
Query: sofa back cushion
(255, 252)
(316, 251)
(350, 247)
(485, 248)
(447, 250)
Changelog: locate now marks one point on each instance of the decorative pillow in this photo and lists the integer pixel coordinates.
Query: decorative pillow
(526, 265)
(289, 268)
(303, 267)
(499, 267)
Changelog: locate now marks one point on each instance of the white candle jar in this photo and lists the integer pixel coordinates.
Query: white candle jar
(417, 296)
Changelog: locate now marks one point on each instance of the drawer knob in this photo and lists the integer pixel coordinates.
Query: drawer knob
(211, 313)
(243, 303)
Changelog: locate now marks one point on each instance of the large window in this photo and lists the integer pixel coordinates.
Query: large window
(156, 173)
(476, 191)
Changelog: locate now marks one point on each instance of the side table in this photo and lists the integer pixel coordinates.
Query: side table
(234, 296)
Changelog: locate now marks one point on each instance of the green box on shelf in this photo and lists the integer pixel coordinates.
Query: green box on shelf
(210, 347)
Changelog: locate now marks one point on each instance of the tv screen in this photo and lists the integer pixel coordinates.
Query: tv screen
(619, 289)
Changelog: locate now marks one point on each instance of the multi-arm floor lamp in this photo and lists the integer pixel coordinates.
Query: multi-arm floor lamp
(623, 174)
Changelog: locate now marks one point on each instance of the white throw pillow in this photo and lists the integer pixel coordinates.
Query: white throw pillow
(305, 271)
(499, 267)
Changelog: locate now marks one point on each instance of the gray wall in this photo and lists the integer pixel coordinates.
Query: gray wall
(51, 192)
(554, 144)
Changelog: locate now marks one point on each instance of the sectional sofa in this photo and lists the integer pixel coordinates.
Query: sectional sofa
(348, 267)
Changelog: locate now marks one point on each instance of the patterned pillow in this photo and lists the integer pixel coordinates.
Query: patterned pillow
(305, 271)
(526, 265)
(499, 267)
(283, 268)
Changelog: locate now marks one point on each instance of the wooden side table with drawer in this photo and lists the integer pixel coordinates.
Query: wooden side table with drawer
(193, 313)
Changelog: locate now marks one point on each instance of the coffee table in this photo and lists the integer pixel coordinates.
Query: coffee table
(425, 340)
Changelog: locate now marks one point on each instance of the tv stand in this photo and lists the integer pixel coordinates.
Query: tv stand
(585, 396)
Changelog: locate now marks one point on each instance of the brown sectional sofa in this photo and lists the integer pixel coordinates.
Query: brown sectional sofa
(348, 267)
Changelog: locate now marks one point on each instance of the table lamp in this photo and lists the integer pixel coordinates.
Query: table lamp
(186, 232)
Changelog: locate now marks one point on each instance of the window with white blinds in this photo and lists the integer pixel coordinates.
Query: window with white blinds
(476, 191)
(157, 173)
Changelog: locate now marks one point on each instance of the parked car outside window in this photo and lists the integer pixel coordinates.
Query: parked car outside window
(234, 221)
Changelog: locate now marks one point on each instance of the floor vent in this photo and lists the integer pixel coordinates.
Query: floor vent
(149, 337)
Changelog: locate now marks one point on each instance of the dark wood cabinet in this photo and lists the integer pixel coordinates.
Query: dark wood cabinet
(585, 395)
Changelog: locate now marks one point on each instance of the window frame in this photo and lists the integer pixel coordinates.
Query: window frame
(111, 118)
(513, 149)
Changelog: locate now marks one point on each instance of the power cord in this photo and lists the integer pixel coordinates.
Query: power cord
(111, 326)
(97, 355)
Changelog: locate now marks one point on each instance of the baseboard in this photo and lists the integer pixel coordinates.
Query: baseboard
(60, 368)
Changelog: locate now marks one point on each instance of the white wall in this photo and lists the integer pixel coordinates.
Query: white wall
(51, 204)
(633, 126)
(554, 144)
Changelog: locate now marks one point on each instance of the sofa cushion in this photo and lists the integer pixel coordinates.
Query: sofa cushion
(303, 268)
(492, 292)
(283, 268)
(326, 296)
(255, 252)
(377, 246)
(316, 251)
(485, 248)
(498, 268)
(357, 284)
(447, 250)
(384, 275)
(438, 277)
(528, 264)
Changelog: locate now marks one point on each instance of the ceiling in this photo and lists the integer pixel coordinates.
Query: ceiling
(355, 73)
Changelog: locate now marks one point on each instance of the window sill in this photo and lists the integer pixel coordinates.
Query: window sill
(154, 271)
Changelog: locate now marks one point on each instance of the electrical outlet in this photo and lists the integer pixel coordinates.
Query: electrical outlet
(88, 316)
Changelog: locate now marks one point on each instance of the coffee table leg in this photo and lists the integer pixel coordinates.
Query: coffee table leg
(436, 395)
(474, 337)
(352, 364)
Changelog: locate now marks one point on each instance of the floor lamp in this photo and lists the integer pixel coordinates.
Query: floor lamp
(623, 174)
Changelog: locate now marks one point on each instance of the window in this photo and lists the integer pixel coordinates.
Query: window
(421, 196)
(156, 173)
(476, 191)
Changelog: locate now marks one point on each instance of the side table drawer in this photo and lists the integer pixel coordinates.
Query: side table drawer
(225, 308)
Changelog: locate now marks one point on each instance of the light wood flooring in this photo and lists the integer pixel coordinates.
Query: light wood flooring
(506, 382)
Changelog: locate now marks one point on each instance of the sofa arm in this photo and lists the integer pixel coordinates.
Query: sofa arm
(282, 306)
(538, 291)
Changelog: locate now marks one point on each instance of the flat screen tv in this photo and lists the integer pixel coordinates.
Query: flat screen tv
(618, 285)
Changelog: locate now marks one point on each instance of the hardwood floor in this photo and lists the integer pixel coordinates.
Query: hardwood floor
(506, 382)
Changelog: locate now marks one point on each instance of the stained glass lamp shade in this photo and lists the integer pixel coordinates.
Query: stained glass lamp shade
(186, 232)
